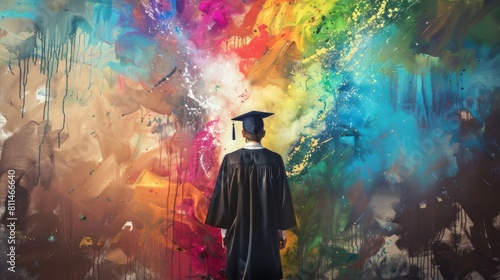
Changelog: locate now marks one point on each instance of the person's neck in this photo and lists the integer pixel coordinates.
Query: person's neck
(253, 145)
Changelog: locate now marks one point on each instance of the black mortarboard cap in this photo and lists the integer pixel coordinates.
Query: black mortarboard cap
(252, 121)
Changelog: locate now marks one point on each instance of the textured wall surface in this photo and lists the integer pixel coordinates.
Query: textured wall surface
(115, 115)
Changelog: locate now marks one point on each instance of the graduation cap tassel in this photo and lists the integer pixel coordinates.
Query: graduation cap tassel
(234, 133)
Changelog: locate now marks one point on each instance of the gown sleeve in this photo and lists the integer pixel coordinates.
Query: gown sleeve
(285, 212)
(218, 211)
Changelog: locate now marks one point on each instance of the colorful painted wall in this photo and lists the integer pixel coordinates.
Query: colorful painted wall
(115, 115)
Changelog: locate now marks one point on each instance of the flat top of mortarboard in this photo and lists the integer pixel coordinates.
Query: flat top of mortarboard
(252, 114)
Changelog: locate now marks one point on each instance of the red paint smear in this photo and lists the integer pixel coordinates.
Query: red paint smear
(257, 47)
(204, 157)
(199, 252)
(206, 246)
(249, 21)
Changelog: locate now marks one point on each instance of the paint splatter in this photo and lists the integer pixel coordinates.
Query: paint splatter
(118, 113)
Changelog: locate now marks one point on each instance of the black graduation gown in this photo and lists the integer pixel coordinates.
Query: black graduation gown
(252, 201)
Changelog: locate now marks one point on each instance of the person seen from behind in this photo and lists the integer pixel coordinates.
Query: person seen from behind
(252, 205)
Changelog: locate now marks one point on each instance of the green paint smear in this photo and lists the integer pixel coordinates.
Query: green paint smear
(322, 209)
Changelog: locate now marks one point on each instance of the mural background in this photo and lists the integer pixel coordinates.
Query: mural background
(115, 114)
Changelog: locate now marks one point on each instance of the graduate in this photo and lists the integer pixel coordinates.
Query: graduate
(252, 205)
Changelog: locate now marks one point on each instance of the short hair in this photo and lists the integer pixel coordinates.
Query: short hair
(254, 137)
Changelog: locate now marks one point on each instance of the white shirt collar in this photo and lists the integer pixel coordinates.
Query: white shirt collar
(253, 146)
